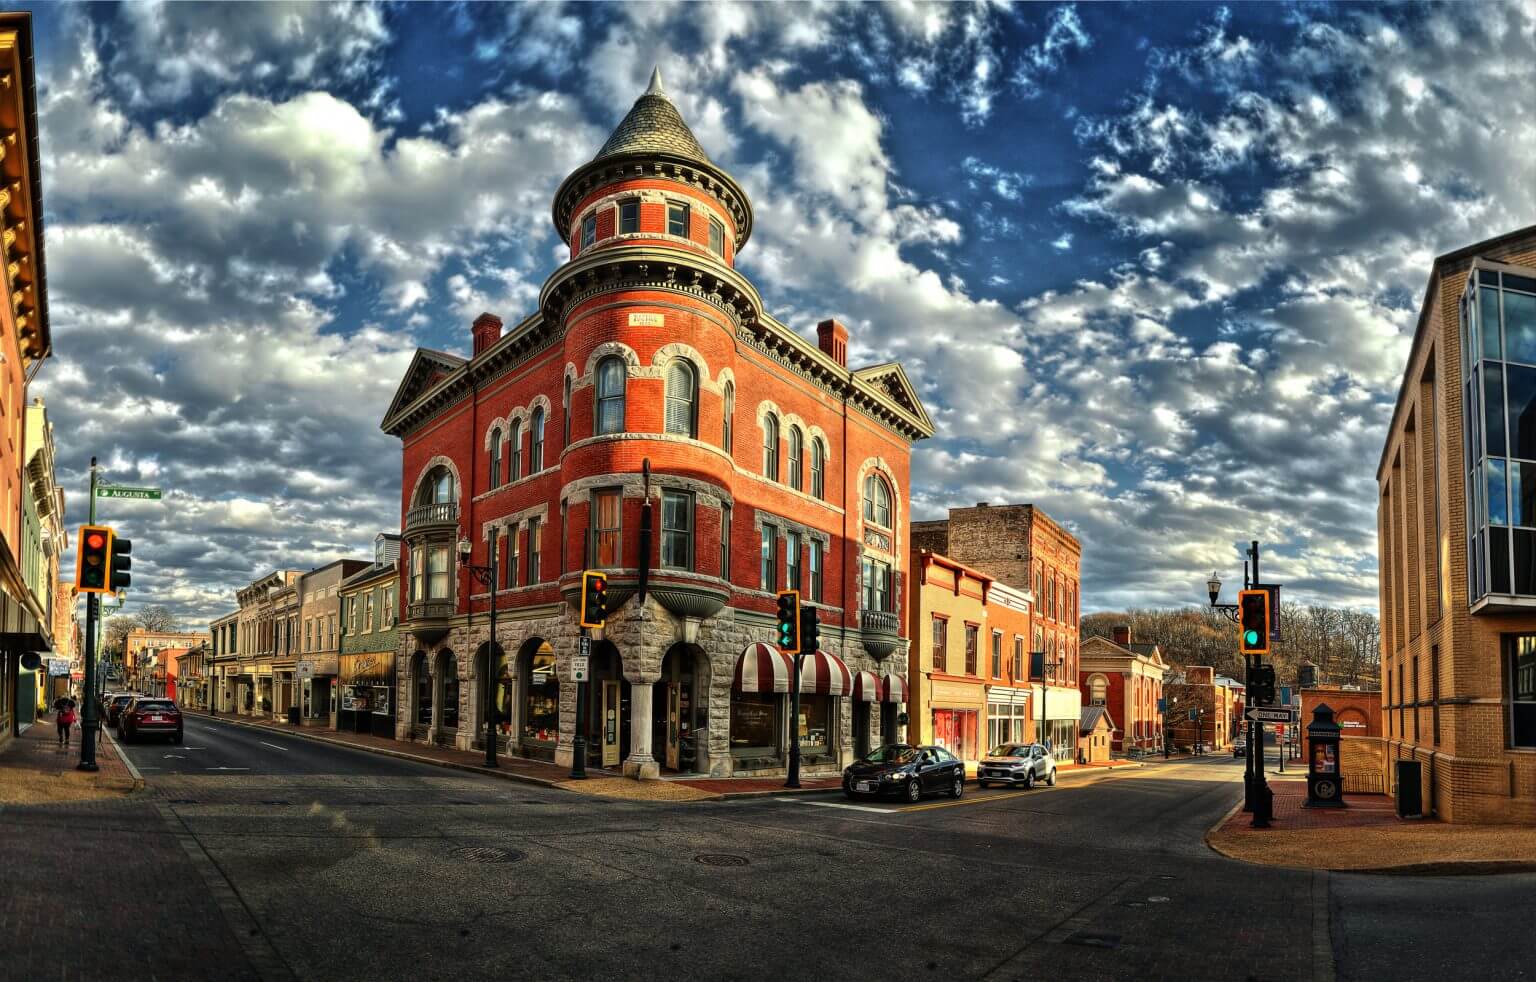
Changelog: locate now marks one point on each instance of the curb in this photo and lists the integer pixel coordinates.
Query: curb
(138, 779)
(400, 755)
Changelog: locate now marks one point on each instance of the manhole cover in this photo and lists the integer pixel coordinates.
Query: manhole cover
(486, 854)
(1089, 939)
(721, 859)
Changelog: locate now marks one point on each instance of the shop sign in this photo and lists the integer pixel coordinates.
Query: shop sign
(58, 666)
(305, 670)
(647, 320)
(365, 668)
(265, 668)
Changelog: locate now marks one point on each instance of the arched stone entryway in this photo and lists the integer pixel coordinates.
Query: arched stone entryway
(445, 698)
(536, 707)
(680, 713)
(607, 696)
(502, 690)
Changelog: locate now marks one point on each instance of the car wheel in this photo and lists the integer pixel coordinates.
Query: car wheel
(1029, 780)
(1050, 779)
(958, 788)
(914, 790)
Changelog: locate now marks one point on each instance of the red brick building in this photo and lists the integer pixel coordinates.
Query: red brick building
(772, 465)
(1126, 676)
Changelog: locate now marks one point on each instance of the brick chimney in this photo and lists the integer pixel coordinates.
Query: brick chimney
(1122, 634)
(833, 338)
(487, 331)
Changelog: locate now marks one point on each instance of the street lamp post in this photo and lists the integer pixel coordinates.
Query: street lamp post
(485, 574)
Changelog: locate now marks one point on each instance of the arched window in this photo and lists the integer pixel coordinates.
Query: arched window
(796, 459)
(1098, 687)
(611, 376)
(682, 399)
(565, 415)
(536, 447)
(437, 488)
(728, 425)
(516, 470)
(771, 447)
(818, 468)
(496, 457)
(877, 501)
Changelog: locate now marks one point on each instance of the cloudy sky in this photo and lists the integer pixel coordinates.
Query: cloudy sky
(1153, 268)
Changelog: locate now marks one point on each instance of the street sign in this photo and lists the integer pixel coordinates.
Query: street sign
(584, 646)
(305, 670)
(58, 666)
(120, 491)
(580, 668)
(1270, 715)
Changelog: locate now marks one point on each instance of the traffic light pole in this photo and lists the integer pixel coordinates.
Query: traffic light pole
(579, 742)
(793, 779)
(1259, 794)
(89, 697)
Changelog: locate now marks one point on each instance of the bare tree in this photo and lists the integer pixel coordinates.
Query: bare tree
(156, 617)
(115, 632)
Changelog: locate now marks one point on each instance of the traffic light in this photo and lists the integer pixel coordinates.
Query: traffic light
(1253, 606)
(93, 559)
(1261, 686)
(119, 563)
(789, 622)
(810, 632)
(594, 599)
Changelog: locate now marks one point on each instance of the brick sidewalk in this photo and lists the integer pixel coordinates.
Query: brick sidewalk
(1364, 810)
(34, 769)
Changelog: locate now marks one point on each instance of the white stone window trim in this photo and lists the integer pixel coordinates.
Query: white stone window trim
(421, 476)
(652, 196)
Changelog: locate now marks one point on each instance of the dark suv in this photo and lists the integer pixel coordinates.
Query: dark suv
(149, 717)
(115, 704)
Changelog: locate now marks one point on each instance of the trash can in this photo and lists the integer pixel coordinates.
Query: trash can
(1410, 789)
(293, 715)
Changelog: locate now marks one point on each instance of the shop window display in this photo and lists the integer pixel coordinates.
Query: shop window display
(754, 723)
(541, 708)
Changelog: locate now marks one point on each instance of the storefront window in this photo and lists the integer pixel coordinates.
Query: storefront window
(541, 709)
(503, 697)
(451, 701)
(815, 723)
(1005, 723)
(754, 723)
(423, 695)
(955, 731)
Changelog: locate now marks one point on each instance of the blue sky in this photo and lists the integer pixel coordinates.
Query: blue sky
(1152, 267)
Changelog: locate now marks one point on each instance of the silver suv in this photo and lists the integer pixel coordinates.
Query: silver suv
(1017, 764)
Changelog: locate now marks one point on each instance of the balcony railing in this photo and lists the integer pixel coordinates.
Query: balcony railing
(878, 622)
(438, 513)
(429, 610)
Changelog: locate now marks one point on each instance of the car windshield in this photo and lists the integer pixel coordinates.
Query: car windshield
(155, 706)
(891, 755)
(121, 700)
(1010, 750)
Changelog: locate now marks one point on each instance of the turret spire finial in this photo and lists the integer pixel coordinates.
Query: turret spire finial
(655, 87)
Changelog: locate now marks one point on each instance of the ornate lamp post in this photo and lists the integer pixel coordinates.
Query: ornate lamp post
(486, 575)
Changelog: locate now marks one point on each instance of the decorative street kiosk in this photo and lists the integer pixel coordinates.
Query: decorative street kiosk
(1325, 785)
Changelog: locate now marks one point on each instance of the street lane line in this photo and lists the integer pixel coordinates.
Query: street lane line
(226, 768)
(272, 745)
(838, 804)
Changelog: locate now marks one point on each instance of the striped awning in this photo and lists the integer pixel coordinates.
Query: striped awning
(763, 668)
(866, 687)
(895, 687)
(825, 675)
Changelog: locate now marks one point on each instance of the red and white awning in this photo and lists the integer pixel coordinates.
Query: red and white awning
(763, 668)
(825, 675)
(866, 687)
(895, 687)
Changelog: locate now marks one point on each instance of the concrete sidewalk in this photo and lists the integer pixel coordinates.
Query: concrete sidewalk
(35, 769)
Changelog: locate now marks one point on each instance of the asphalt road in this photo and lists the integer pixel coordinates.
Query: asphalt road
(333, 864)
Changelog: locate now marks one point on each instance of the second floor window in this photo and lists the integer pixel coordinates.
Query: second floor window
(768, 564)
(677, 529)
(725, 542)
(940, 645)
(677, 220)
(877, 502)
(877, 585)
(516, 457)
(728, 423)
(796, 459)
(792, 561)
(611, 375)
(438, 488)
(387, 616)
(588, 231)
(771, 447)
(818, 468)
(536, 442)
(606, 511)
(496, 458)
(997, 654)
(565, 416)
(1018, 657)
(534, 565)
(970, 649)
(513, 556)
(629, 217)
(368, 614)
(814, 580)
(682, 399)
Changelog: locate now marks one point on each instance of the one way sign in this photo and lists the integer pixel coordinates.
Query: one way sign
(1270, 715)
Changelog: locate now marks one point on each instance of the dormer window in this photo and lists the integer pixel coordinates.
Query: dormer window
(629, 216)
(716, 237)
(677, 220)
(588, 231)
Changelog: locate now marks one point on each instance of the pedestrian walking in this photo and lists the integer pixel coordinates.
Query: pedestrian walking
(64, 716)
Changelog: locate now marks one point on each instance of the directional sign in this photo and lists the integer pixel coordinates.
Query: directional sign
(1270, 715)
(119, 491)
(584, 646)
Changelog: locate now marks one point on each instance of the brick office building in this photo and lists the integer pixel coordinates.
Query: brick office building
(1456, 532)
(1126, 676)
(772, 463)
(1022, 547)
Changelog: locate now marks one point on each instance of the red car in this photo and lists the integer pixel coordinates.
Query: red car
(149, 717)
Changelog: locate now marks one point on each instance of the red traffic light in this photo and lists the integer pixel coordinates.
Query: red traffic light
(95, 540)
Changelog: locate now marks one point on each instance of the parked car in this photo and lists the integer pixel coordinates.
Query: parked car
(115, 703)
(903, 771)
(1240, 747)
(1018, 764)
(149, 717)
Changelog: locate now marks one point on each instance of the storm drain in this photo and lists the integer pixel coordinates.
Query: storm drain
(487, 855)
(721, 859)
(1090, 939)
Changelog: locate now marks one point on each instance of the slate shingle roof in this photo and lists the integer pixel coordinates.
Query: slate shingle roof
(654, 126)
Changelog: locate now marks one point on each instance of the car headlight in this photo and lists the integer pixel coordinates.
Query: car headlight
(897, 776)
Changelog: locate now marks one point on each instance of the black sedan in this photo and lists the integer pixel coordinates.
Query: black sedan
(150, 717)
(115, 704)
(903, 771)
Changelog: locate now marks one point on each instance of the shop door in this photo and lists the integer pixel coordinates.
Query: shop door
(674, 721)
(860, 729)
(610, 722)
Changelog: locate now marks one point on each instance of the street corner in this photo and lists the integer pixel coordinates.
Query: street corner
(1367, 836)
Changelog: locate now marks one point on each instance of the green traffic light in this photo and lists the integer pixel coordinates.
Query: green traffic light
(1252, 637)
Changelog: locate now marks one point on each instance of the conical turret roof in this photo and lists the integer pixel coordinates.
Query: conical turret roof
(654, 126)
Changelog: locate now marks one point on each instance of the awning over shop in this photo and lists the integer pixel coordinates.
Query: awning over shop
(866, 687)
(895, 687)
(763, 668)
(825, 675)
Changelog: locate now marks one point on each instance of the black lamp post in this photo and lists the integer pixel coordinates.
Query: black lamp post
(486, 575)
